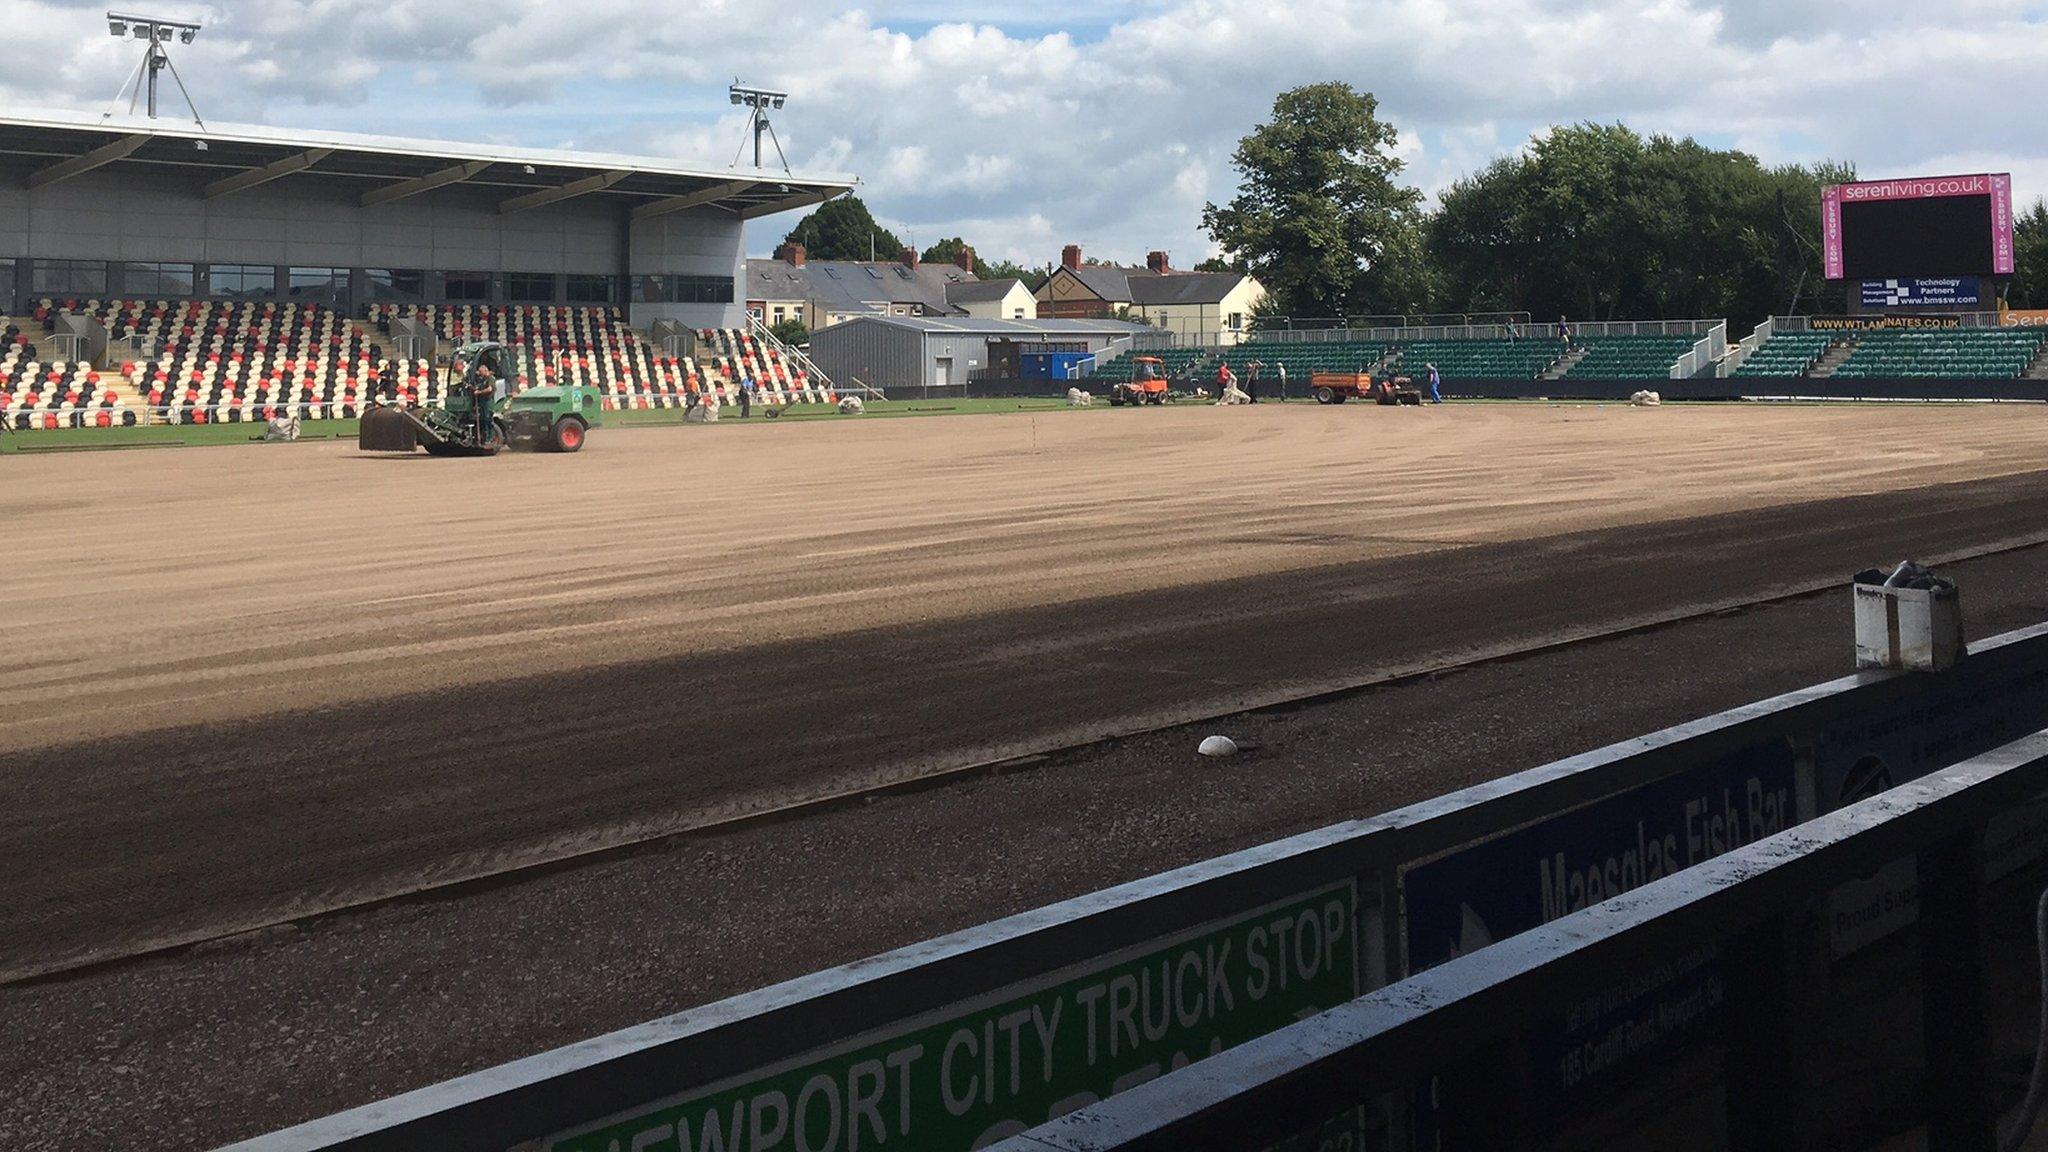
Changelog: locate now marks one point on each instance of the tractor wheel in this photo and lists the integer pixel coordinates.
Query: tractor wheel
(569, 433)
(1341, 397)
(1325, 396)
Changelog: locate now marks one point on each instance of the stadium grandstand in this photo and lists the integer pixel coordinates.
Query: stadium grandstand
(161, 270)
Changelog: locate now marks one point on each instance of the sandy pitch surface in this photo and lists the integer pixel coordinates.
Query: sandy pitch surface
(148, 589)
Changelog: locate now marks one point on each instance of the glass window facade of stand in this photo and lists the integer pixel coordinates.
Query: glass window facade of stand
(318, 285)
(67, 278)
(466, 286)
(396, 285)
(593, 290)
(153, 281)
(530, 287)
(682, 290)
(241, 281)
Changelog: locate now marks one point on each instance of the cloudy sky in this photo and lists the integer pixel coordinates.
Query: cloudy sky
(1026, 126)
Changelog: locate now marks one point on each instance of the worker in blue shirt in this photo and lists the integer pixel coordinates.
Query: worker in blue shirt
(1436, 383)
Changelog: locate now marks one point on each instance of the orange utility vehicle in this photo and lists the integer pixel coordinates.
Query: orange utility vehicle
(1147, 384)
(1337, 387)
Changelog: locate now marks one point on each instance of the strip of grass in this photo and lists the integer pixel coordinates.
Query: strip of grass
(161, 436)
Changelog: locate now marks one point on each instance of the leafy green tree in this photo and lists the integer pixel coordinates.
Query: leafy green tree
(1033, 276)
(945, 251)
(1318, 207)
(843, 229)
(1217, 264)
(1596, 222)
(2030, 259)
(791, 331)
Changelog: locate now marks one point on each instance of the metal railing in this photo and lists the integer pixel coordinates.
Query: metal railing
(767, 335)
(1262, 1092)
(1997, 694)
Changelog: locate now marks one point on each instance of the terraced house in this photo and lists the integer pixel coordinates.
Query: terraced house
(1206, 308)
(822, 293)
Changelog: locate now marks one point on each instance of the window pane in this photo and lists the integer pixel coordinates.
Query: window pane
(319, 283)
(68, 277)
(537, 287)
(403, 284)
(592, 290)
(468, 285)
(241, 281)
(159, 279)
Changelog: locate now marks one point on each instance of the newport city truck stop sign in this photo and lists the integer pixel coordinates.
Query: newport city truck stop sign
(980, 1071)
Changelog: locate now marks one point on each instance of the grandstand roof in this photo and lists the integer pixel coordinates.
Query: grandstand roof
(234, 157)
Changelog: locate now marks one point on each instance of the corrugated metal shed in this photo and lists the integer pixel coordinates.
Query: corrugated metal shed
(908, 352)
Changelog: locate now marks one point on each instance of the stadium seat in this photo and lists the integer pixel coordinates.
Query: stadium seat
(1950, 353)
(1631, 357)
(1785, 354)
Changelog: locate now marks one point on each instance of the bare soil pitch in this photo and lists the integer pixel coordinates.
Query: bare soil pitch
(244, 683)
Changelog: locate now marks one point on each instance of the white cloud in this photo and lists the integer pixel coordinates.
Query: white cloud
(1102, 124)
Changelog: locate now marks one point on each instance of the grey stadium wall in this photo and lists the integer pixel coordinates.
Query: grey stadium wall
(129, 214)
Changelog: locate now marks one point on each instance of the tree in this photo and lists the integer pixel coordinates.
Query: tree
(1317, 208)
(2030, 259)
(1034, 277)
(843, 229)
(1217, 264)
(945, 251)
(1597, 222)
(791, 331)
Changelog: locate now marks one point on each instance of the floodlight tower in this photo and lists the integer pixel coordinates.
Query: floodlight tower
(758, 101)
(155, 33)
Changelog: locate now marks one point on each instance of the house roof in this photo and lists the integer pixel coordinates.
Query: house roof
(980, 291)
(1119, 285)
(967, 326)
(232, 157)
(855, 285)
(1107, 281)
(1184, 287)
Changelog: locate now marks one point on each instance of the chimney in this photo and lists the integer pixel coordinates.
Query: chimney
(909, 257)
(1071, 256)
(1156, 261)
(965, 259)
(791, 254)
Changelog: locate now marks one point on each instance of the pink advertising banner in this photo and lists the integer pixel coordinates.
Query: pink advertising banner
(1997, 186)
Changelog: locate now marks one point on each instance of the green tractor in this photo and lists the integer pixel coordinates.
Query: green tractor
(477, 419)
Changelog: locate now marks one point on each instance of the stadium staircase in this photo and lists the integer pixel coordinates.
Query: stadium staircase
(1566, 363)
(43, 394)
(1626, 358)
(2038, 370)
(1942, 354)
(1832, 359)
(1481, 359)
(1785, 354)
(1304, 359)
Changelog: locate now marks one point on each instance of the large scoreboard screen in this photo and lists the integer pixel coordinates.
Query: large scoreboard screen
(1926, 226)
